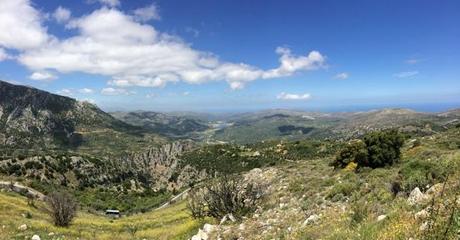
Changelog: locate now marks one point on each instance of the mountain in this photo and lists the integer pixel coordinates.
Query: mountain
(292, 125)
(32, 118)
(169, 125)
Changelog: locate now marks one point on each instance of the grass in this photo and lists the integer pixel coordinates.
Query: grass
(173, 222)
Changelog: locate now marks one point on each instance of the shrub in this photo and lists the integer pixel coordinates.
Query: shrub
(419, 173)
(224, 196)
(355, 151)
(62, 208)
(377, 149)
(383, 147)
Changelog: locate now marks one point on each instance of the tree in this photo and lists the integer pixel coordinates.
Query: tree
(377, 149)
(62, 208)
(384, 148)
(355, 151)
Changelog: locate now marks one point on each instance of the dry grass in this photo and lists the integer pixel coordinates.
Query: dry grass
(173, 222)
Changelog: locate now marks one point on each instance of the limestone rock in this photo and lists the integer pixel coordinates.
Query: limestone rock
(312, 219)
(416, 197)
(23, 227)
(381, 218)
(35, 237)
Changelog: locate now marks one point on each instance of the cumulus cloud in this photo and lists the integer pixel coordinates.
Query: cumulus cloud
(406, 74)
(136, 54)
(42, 76)
(62, 14)
(65, 91)
(3, 55)
(291, 96)
(147, 13)
(20, 25)
(116, 91)
(341, 76)
(86, 91)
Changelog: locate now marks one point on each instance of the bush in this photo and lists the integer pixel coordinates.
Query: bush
(355, 151)
(62, 208)
(419, 173)
(224, 196)
(377, 149)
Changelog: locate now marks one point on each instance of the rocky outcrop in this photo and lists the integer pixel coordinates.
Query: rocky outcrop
(31, 117)
(163, 165)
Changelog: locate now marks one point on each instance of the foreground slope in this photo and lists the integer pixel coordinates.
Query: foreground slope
(172, 222)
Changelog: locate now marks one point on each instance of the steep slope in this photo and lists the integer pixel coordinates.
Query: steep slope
(34, 118)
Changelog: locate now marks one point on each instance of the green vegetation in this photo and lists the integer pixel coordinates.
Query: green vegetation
(173, 222)
(377, 149)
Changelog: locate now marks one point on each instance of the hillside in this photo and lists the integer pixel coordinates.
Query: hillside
(294, 125)
(172, 222)
(169, 125)
(34, 119)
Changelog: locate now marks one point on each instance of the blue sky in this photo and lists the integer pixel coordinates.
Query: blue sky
(236, 55)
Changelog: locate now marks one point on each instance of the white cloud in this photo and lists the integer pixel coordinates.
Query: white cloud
(150, 95)
(89, 100)
(116, 91)
(147, 13)
(65, 91)
(42, 76)
(406, 74)
(86, 91)
(62, 14)
(20, 25)
(3, 55)
(111, 3)
(186, 93)
(136, 54)
(290, 96)
(342, 76)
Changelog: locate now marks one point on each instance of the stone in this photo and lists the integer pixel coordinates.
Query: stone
(207, 228)
(416, 197)
(201, 235)
(421, 215)
(424, 226)
(435, 190)
(23, 227)
(310, 220)
(381, 218)
(35, 237)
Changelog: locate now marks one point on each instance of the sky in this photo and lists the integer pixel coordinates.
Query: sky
(218, 56)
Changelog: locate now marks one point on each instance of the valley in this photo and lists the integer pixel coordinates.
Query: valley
(136, 162)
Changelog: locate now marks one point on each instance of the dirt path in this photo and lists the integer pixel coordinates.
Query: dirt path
(173, 200)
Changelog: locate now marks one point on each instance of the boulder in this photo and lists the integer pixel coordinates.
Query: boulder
(435, 190)
(416, 197)
(381, 218)
(23, 227)
(35, 237)
(422, 215)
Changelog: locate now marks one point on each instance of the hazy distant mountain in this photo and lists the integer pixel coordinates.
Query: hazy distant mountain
(289, 124)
